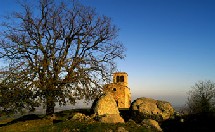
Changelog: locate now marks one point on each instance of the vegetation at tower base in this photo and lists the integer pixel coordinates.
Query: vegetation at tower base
(55, 52)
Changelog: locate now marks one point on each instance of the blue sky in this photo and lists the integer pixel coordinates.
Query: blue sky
(170, 43)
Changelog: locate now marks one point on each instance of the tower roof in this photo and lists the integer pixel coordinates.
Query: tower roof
(120, 73)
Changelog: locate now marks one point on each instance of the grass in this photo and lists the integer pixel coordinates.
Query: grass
(63, 123)
(42, 123)
(30, 125)
(93, 127)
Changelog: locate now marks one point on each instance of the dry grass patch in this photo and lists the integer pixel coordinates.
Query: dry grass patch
(26, 125)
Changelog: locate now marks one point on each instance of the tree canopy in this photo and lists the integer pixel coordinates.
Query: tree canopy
(56, 52)
(202, 97)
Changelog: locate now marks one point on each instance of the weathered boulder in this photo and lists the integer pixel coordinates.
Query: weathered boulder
(81, 117)
(147, 108)
(121, 129)
(111, 118)
(105, 109)
(151, 123)
(105, 104)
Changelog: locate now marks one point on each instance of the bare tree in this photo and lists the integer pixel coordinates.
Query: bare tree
(201, 97)
(59, 51)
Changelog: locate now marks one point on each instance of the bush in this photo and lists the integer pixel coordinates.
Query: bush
(201, 97)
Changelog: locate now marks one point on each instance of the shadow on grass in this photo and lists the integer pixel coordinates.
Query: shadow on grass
(63, 114)
(22, 119)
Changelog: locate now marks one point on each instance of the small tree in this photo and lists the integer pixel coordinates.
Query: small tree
(201, 97)
(59, 51)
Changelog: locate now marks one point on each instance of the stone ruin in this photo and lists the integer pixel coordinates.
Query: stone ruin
(119, 89)
(117, 95)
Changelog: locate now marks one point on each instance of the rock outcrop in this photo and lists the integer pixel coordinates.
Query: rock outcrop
(121, 129)
(110, 118)
(81, 117)
(151, 123)
(105, 104)
(147, 108)
(105, 109)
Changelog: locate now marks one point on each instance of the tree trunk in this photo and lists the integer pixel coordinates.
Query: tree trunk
(50, 104)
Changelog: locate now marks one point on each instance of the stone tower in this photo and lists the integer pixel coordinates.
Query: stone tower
(119, 89)
(120, 78)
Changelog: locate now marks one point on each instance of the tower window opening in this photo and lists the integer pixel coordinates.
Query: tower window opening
(114, 89)
(118, 79)
(121, 78)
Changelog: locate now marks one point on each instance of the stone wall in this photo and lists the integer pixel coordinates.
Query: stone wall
(127, 98)
(117, 92)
